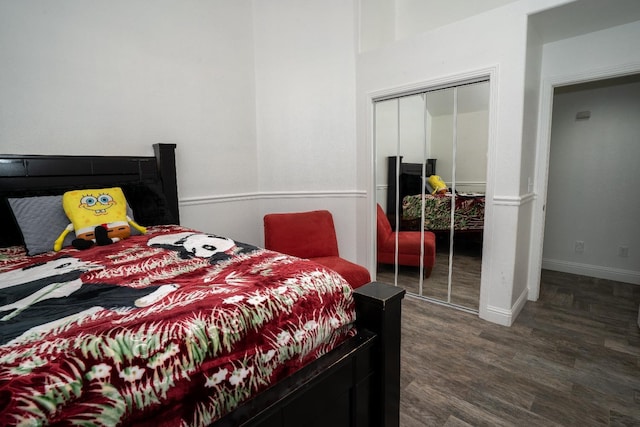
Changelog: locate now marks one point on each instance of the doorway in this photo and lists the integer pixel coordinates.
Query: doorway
(591, 221)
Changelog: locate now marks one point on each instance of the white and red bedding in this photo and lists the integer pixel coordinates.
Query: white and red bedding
(174, 327)
(468, 214)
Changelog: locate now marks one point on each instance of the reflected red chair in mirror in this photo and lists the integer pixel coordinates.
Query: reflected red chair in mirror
(311, 235)
(409, 244)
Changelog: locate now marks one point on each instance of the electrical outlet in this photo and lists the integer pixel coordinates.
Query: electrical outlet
(579, 246)
(623, 251)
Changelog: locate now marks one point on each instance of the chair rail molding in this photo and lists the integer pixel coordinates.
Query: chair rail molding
(224, 198)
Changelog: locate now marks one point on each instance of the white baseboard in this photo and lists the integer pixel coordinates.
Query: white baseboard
(497, 315)
(505, 317)
(519, 304)
(608, 273)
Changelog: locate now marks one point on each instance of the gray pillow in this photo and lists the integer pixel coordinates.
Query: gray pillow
(41, 220)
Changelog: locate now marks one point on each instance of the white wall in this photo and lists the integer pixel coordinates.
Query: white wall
(385, 21)
(593, 182)
(305, 105)
(95, 77)
(531, 216)
(85, 76)
(305, 95)
(418, 16)
(441, 138)
(472, 132)
(386, 144)
(376, 23)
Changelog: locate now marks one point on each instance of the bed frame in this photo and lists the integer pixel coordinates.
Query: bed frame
(409, 182)
(356, 384)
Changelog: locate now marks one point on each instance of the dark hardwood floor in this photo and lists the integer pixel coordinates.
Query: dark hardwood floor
(465, 274)
(570, 359)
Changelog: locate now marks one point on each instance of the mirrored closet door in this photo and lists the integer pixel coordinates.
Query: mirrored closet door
(431, 156)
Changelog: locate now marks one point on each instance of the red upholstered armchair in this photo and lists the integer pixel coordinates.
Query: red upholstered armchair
(408, 245)
(311, 235)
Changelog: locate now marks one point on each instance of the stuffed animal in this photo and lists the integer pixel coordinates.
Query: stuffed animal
(438, 185)
(98, 216)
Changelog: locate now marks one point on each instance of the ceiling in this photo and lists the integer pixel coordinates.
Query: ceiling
(582, 17)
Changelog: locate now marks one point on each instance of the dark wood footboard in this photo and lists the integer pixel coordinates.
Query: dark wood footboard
(357, 384)
(379, 309)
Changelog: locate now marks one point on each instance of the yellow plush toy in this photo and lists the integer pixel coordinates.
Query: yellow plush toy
(97, 216)
(438, 185)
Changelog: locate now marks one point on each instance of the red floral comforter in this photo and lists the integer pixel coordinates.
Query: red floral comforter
(174, 327)
(468, 214)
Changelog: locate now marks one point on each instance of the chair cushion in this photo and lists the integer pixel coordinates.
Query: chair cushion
(302, 234)
(408, 249)
(311, 235)
(384, 230)
(409, 242)
(355, 274)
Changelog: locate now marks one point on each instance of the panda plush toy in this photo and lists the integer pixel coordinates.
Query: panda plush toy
(191, 244)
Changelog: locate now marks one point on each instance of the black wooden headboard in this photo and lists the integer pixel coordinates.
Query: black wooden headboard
(409, 181)
(33, 175)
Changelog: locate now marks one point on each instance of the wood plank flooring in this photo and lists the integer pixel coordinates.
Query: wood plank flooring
(465, 275)
(570, 359)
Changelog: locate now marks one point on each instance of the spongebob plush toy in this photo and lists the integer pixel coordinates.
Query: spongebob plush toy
(438, 185)
(97, 216)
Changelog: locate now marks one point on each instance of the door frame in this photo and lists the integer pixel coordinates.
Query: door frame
(543, 148)
(492, 75)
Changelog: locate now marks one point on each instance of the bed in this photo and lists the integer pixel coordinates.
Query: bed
(407, 192)
(467, 216)
(175, 326)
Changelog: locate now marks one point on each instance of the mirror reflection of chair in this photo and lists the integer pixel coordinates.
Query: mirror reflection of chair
(311, 235)
(409, 244)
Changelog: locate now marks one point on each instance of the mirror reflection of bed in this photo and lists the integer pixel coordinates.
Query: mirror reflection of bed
(441, 133)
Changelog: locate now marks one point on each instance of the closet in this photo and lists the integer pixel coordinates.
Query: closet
(431, 157)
